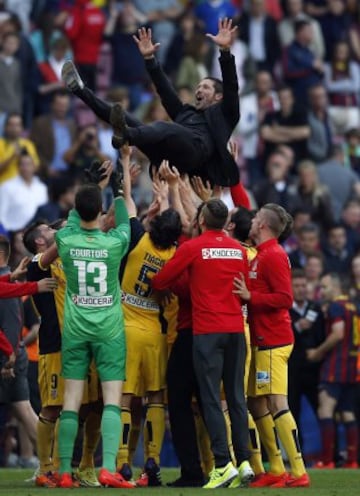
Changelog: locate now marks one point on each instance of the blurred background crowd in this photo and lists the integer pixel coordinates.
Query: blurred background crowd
(298, 66)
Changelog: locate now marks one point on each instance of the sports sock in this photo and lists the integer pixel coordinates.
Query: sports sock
(134, 435)
(328, 433)
(110, 432)
(68, 428)
(255, 447)
(91, 440)
(155, 426)
(206, 455)
(44, 444)
(266, 429)
(288, 434)
(228, 435)
(55, 447)
(123, 451)
(352, 438)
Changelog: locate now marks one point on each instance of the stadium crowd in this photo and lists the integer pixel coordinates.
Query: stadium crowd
(297, 151)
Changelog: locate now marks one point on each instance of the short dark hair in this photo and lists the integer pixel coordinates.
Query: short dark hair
(60, 93)
(298, 274)
(218, 84)
(242, 218)
(5, 245)
(31, 233)
(10, 115)
(215, 214)
(88, 202)
(165, 228)
(279, 220)
(335, 225)
(60, 186)
(309, 227)
(299, 24)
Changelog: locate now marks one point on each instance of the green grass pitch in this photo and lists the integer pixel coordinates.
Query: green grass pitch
(339, 482)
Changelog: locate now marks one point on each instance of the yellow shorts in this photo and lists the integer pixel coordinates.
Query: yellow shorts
(51, 383)
(269, 371)
(146, 361)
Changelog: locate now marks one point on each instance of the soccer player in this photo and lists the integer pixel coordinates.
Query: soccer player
(93, 323)
(37, 238)
(339, 353)
(269, 299)
(196, 142)
(219, 351)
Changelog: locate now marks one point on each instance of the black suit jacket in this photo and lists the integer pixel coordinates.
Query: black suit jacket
(221, 117)
(271, 40)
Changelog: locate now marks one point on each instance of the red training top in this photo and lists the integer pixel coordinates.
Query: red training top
(181, 289)
(213, 260)
(11, 290)
(271, 296)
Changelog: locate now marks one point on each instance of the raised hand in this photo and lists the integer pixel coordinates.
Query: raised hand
(20, 270)
(203, 191)
(225, 34)
(170, 174)
(144, 42)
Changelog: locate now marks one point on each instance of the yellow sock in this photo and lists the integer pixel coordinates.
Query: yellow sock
(91, 439)
(206, 455)
(155, 426)
(266, 430)
(228, 435)
(55, 447)
(288, 435)
(123, 451)
(133, 440)
(255, 447)
(45, 441)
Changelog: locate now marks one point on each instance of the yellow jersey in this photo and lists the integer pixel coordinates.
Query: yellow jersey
(7, 150)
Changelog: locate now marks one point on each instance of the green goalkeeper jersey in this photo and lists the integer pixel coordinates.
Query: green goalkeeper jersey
(91, 260)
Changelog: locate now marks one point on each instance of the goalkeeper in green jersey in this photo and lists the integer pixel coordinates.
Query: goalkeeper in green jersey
(93, 319)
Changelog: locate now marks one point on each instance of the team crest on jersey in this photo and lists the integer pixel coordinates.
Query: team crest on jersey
(221, 253)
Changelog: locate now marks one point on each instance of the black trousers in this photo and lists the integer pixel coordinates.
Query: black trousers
(159, 140)
(182, 385)
(221, 357)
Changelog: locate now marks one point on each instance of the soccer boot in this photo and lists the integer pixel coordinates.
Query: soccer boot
(221, 476)
(71, 77)
(350, 465)
(108, 479)
(45, 480)
(118, 123)
(267, 479)
(302, 481)
(142, 481)
(86, 477)
(321, 465)
(125, 471)
(245, 475)
(152, 470)
(66, 481)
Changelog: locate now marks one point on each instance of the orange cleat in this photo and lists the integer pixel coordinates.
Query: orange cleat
(143, 480)
(65, 481)
(322, 465)
(268, 479)
(108, 479)
(45, 480)
(302, 481)
(350, 465)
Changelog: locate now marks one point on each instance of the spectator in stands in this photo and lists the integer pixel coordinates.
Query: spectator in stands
(301, 216)
(120, 27)
(43, 35)
(354, 290)
(254, 108)
(21, 196)
(11, 90)
(276, 188)
(350, 219)
(62, 200)
(314, 269)
(83, 152)
(286, 126)
(352, 149)
(209, 12)
(192, 67)
(313, 195)
(342, 81)
(301, 67)
(309, 242)
(295, 12)
(84, 25)
(319, 143)
(354, 35)
(309, 332)
(342, 183)
(53, 134)
(11, 147)
(337, 252)
(161, 16)
(316, 8)
(258, 31)
(50, 71)
(335, 25)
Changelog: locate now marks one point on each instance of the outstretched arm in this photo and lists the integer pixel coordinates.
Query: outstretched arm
(223, 40)
(166, 91)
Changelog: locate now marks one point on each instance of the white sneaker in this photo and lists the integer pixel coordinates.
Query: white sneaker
(246, 475)
(71, 77)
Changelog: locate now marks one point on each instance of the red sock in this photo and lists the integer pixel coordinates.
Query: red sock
(352, 438)
(327, 429)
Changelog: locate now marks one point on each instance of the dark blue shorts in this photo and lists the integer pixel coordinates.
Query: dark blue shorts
(342, 393)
